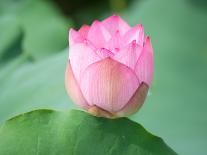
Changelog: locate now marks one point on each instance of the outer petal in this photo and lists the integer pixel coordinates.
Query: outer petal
(129, 55)
(98, 34)
(81, 55)
(135, 33)
(145, 64)
(74, 37)
(108, 84)
(135, 102)
(115, 23)
(73, 89)
(84, 30)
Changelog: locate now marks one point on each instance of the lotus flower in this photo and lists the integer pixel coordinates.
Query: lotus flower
(110, 67)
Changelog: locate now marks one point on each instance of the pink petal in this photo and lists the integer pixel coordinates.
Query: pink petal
(115, 23)
(98, 34)
(104, 53)
(84, 31)
(74, 37)
(81, 55)
(73, 89)
(135, 33)
(115, 42)
(129, 55)
(108, 84)
(145, 65)
(135, 102)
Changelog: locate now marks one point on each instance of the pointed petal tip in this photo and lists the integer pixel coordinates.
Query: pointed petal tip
(148, 44)
(84, 25)
(114, 16)
(98, 34)
(84, 30)
(135, 33)
(72, 30)
(73, 36)
(147, 39)
(96, 22)
(145, 65)
(117, 18)
(114, 23)
(139, 26)
(133, 43)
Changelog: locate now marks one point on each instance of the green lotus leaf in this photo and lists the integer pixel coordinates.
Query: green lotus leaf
(75, 132)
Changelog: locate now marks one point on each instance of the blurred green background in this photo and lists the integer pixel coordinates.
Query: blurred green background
(34, 51)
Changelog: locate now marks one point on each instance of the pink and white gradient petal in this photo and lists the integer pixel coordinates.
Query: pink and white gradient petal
(145, 65)
(108, 84)
(115, 23)
(110, 67)
(129, 55)
(135, 33)
(74, 37)
(98, 34)
(135, 102)
(115, 43)
(73, 89)
(104, 53)
(81, 55)
(84, 31)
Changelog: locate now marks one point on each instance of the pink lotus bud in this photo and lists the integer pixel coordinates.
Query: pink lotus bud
(110, 67)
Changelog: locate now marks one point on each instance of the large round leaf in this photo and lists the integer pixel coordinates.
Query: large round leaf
(74, 132)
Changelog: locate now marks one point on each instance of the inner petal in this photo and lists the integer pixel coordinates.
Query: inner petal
(115, 23)
(129, 55)
(98, 34)
(104, 53)
(115, 43)
(135, 33)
